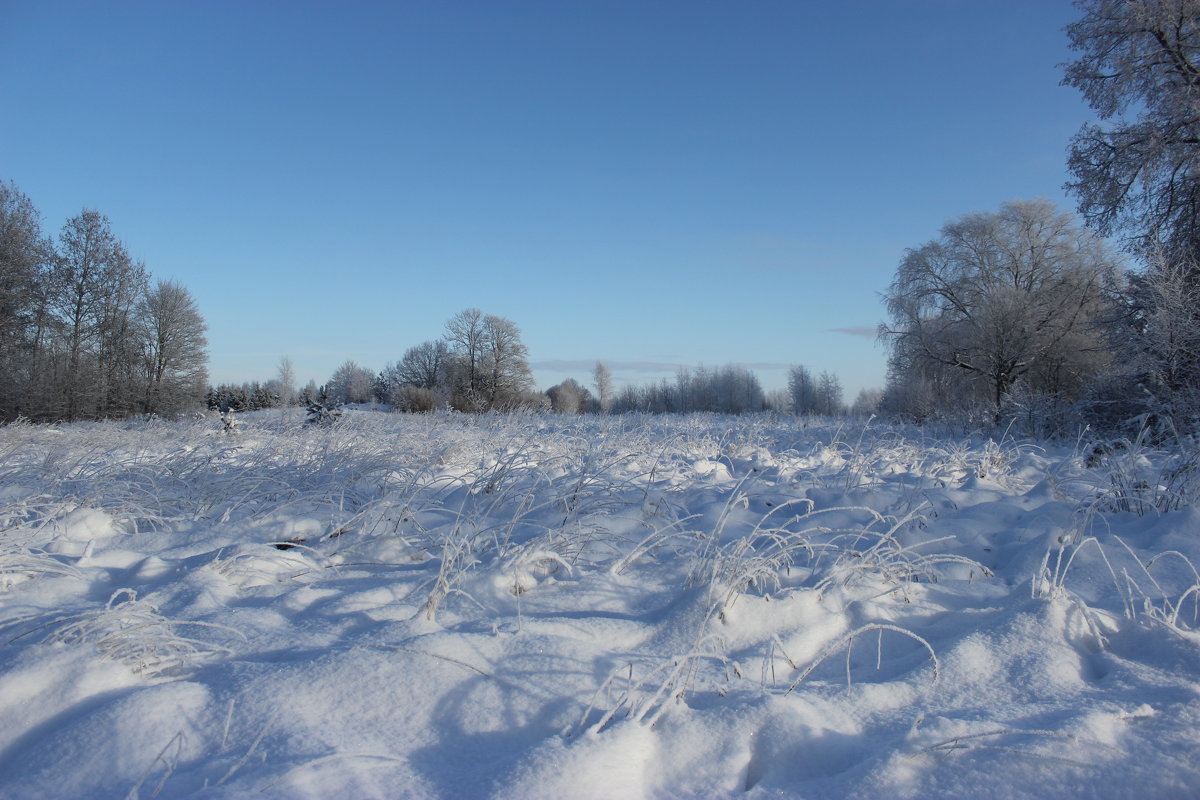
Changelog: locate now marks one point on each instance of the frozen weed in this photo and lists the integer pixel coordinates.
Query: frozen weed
(169, 765)
(1001, 739)
(869, 554)
(761, 558)
(1133, 477)
(657, 538)
(847, 641)
(1161, 605)
(132, 632)
(644, 698)
(20, 560)
(458, 554)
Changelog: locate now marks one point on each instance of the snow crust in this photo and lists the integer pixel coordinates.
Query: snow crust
(628, 607)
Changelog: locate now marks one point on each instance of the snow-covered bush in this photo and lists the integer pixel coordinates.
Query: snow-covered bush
(322, 414)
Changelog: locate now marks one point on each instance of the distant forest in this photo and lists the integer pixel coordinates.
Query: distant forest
(436, 375)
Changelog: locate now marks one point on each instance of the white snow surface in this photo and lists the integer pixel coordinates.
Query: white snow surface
(535, 606)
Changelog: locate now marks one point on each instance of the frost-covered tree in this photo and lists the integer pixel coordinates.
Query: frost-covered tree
(24, 256)
(506, 373)
(1169, 335)
(82, 333)
(489, 365)
(602, 380)
(1138, 174)
(916, 385)
(350, 383)
(569, 397)
(465, 339)
(779, 401)
(802, 390)
(423, 366)
(1003, 297)
(310, 393)
(867, 402)
(175, 349)
(1155, 377)
(285, 382)
(736, 390)
(94, 288)
(829, 395)
(420, 380)
(413, 399)
(731, 389)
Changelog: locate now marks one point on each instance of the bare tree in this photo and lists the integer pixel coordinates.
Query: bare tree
(24, 253)
(421, 380)
(489, 365)
(1139, 176)
(829, 395)
(94, 287)
(1169, 331)
(602, 380)
(175, 349)
(465, 338)
(1157, 377)
(730, 389)
(802, 390)
(506, 373)
(568, 397)
(423, 366)
(285, 383)
(350, 383)
(867, 402)
(779, 401)
(1003, 297)
(736, 390)
(413, 399)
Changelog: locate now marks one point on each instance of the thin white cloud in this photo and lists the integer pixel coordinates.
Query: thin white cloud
(869, 331)
(575, 365)
(570, 365)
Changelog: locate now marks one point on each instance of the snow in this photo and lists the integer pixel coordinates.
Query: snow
(614, 607)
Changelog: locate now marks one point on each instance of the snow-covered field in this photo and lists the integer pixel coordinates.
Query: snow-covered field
(529, 606)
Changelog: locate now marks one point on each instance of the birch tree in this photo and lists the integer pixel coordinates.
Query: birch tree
(602, 380)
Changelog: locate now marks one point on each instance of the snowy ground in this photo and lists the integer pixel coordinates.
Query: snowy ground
(530, 607)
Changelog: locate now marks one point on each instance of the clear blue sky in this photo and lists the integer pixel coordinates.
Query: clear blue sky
(647, 183)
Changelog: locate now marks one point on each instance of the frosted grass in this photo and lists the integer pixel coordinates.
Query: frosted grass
(707, 605)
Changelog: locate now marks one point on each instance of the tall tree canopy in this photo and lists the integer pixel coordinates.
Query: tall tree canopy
(1000, 297)
(1137, 175)
(82, 332)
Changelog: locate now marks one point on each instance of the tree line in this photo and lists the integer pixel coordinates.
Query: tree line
(423, 381)
(479, 364)
(1023, 313)
(84, 333)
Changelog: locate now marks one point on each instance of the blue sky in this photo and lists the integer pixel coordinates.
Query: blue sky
(647, 183)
